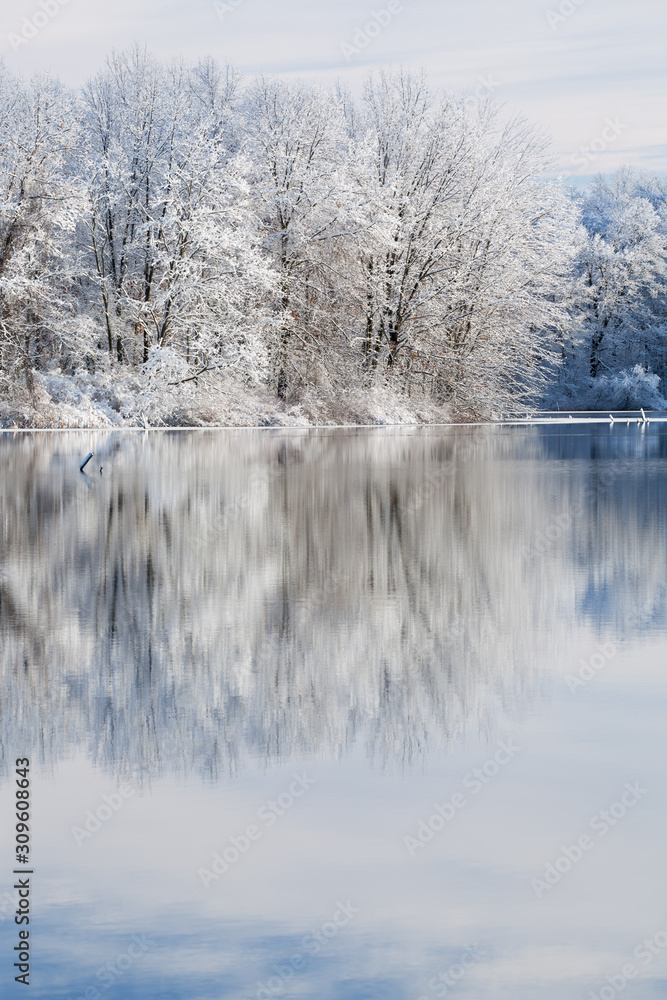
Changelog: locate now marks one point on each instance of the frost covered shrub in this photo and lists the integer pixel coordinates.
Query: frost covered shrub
(626, 390)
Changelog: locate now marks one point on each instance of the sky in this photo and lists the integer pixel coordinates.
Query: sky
(592, 73)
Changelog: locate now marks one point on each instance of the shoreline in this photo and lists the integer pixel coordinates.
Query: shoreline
(631, 418)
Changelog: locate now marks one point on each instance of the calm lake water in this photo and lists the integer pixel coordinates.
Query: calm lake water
(338, 715)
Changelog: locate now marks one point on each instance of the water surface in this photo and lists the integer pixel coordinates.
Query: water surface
(266, 658)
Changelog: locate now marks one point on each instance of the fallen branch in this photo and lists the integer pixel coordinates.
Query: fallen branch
(191, 378)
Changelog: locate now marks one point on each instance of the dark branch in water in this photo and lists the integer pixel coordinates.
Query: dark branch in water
(85, 462)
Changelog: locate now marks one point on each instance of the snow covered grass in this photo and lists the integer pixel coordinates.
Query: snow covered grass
(82, 400)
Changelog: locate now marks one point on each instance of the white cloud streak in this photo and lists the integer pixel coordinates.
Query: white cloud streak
(569, 72)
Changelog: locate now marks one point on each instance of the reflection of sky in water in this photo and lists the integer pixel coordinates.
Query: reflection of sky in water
(504, 661)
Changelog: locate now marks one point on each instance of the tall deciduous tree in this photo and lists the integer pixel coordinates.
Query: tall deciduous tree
(470, 248)
(37, 205)
(294, 140)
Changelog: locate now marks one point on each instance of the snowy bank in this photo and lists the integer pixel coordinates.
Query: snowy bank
(59, 401)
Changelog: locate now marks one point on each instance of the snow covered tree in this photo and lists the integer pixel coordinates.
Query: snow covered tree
(294, 141)
(127, 138)
(168, 232)
(37, 206)
(470, 244)
(615, 350)
(172, 226)
(625, 269)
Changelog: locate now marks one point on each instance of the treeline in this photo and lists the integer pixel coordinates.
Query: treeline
(175, 225)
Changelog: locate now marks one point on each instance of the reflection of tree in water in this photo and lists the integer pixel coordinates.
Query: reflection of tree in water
(618, 548)
(214, 596)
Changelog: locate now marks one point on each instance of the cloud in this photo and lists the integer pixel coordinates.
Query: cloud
(566, 71)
